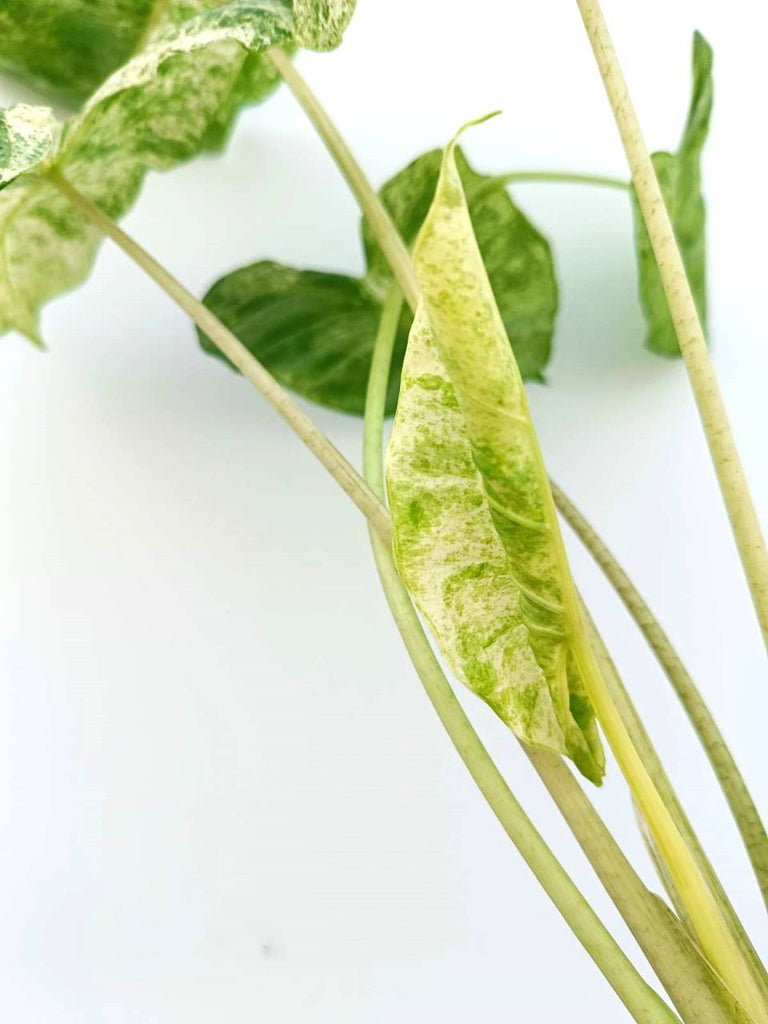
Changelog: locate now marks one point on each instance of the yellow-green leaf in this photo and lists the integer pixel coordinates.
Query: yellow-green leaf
(476, 534)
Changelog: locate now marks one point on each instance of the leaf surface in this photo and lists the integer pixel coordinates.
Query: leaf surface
(476, 535)
(679, 176)
(152, 113)
(517, 257)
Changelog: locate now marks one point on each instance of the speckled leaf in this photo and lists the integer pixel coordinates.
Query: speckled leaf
(313, 331)
(27, 136)
(517, 257)
(680, 180)
(476, 535)
(151, 114)
(320, 24)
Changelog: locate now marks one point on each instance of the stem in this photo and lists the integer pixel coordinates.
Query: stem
(378, 219)
(736, 793)
(756, 984)
(561, 177)
(690, 334)
(689, 875)
(641, 1001)
(238, 354)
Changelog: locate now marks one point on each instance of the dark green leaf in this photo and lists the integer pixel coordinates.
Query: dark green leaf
(680, 179)
(314, 332)
(517, 257)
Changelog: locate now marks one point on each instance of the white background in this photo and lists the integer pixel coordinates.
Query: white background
(223, 795)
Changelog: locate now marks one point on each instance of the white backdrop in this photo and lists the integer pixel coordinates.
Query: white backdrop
(223, 794)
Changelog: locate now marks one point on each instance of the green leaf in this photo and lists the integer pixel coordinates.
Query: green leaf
(313, 331)
(154, 112)
(68, 47)
(320, 24)
(517, 257)
(476, 536)
(679, 176)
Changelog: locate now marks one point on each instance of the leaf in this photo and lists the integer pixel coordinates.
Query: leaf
(679, 176)
(152, 113)
(320, 24)
(27, 135)
(313, 331)
(517, 257)
(476, 536)
(67, 48)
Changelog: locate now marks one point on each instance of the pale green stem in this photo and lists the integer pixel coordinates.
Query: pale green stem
(239, 356)
(560, 178)
(688, 327)
(639, 998)
(703, 904)
(736, 793)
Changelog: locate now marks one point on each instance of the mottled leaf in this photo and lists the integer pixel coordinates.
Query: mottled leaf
(151, 114)
(476, 535)
(313, 331)
(517, 257)
(320, 24)
(679, 176)
(67, 48)
(27, 136)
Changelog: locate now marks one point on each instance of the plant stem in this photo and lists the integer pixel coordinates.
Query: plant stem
(378, 219)
(561, 178)
(690, 334)
(701, 901)
(755, 984)
(736, 793)
(238, 354)
(641, 1001)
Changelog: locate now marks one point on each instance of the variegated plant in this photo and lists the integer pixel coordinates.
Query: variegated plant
(471, 534)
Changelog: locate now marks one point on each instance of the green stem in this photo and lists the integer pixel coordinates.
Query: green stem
(561, 178)
(641, 1001)
(345, 474)
(682, 307)
(735, 789)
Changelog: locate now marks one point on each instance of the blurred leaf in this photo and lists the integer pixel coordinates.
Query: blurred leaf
(477, 541)
(679, 176)
(162, 107)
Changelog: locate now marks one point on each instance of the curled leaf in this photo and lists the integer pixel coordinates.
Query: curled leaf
(476, 535)
(152, 113)
(679, 176)
(312, 318)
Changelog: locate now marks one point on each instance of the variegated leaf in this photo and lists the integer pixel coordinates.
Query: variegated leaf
(27, 136)
(151, 114)
(476, 534)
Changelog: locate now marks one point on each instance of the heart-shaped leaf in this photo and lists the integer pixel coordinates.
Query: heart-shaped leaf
(679, 176)
(477, 541)
(517, 257)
